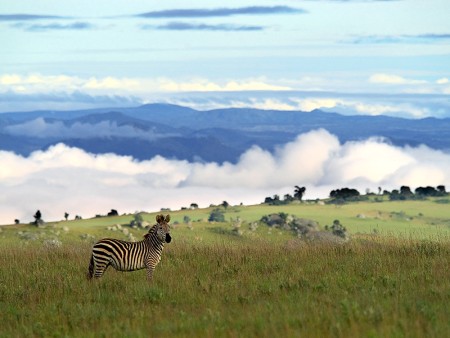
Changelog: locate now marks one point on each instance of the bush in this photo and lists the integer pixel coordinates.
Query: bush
(338, 229)
(300, 226)
(216, 215)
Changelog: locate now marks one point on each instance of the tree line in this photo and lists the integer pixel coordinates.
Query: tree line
(404, 193)
(352, 195)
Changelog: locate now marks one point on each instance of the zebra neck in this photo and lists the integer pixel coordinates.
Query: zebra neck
(154, 242)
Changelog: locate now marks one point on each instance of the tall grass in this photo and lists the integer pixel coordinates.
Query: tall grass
(394, 287)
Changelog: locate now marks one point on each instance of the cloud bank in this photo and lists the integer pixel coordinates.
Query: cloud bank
(41, 128)
(28, 17)
(410, 97)
(184, 26)
(219, 12)
(408, 39)
(75, 26)
(65, 179)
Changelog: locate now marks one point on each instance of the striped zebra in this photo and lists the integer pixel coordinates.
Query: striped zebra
(131, 256)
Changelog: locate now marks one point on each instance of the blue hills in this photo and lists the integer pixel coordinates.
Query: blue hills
(216, 135)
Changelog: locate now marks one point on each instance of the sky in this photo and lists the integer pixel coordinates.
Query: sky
(267, 54)
(370, 57)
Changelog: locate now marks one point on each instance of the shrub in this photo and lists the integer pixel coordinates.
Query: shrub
(338, 229)
(300, 226)
(216, 215)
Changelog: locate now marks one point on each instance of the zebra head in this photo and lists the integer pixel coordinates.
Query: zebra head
(163, 228)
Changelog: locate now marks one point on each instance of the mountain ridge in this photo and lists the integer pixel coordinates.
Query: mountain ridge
(216, 135)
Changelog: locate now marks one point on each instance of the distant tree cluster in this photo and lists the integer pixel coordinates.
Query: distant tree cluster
(405, 193)
(344, 195)
(299, 192)
(340, 196)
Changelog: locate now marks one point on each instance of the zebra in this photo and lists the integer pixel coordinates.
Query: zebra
(131, 256)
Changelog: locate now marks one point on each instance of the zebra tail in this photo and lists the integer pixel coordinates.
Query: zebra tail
(90, 273)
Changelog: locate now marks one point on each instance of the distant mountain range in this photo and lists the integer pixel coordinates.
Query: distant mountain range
(214, 135)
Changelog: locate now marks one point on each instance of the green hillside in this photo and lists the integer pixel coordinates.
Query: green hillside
(423, 219)
(390, 279)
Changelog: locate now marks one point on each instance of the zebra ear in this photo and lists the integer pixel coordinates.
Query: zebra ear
(167, 218)
(159, 218)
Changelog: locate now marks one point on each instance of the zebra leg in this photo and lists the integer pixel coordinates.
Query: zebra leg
(150, 273)
(100, 269)
(90, 273)
(97, 267)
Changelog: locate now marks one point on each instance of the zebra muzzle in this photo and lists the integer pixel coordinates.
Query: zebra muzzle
(168, 238)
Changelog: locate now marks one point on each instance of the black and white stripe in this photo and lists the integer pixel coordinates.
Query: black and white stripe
(131, 256)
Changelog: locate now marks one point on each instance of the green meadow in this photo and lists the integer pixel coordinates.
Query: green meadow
(391, 279)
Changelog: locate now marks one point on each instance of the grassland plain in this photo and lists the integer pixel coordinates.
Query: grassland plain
(262, 283)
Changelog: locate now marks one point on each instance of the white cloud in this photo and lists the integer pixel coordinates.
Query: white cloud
(382, 78)
(38, 83)
(310, 104)
(10, 79)
(64, 179)
(113, 83)
(41, 128)
(443, 80)
(204, 85)
(265, 104)
(344, 106)
(404, 110)
(37, 91)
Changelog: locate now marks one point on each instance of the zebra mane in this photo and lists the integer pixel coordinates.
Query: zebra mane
(151, 231)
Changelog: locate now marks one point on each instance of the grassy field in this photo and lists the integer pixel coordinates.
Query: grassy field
(395, 283)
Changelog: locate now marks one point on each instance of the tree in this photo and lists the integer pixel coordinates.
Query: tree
(441, 189)
(344, 193)
(426, 191)
(394, 195)
(194, 206)
(66, 215)
(275, 200)
(225, 204)
(113, 212)
(299, 192)
(38, 218)
(288, 198)
(216, 216)
(268, 200)
(405, 191)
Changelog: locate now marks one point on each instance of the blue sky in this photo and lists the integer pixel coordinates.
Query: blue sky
(274, 54)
